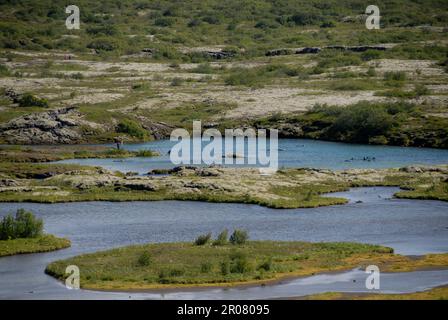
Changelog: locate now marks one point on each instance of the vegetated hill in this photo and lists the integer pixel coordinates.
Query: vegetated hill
(114, 27)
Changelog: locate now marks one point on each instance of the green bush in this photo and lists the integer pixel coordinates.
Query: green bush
(144, 260)
(131, 128)
(77, 76)
(421, 90)
(4, 71)
(103, 44)
(362, 121)
(378, 140)
(203, 239)
(248, 78)
(146, 153)
(176, 82)
(141, 86)
(239, 237)
(164, 22)
(371, 72)
(225, 267)
(24, 225)
(222, 238)
(205, 68)
(206, 267)
(350, 85)
(266, 265)
(334, 58)
(239, 263)
(371, 55)
(28, 100)
(395, 76)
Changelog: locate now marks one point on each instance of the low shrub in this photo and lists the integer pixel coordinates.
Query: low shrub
(144, 260)
(225, 267)
(131, 128)
(239, 237)
(395, 76)
(371, 55)
(239, 263)
(176, 82)
(206, 267)
(222, 238)
(205, 68)
(4, 71)
(203, 239)
(146, 153)
(28, 100)
(266, 265)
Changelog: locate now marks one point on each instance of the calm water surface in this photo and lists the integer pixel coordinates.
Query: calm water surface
(292, 153)
(411, 227)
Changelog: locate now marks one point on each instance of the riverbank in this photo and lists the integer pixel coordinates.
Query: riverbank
(185, 265)
(440, 293)
(43, 243)
(34, 154)
(286, 189)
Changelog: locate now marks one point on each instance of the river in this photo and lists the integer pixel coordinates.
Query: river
(292, 153)
(411, 227)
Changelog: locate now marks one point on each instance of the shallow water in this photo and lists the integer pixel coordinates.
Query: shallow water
(411, 227)
(292, 153)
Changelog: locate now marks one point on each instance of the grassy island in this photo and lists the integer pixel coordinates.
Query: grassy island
(32, 245)
(23, 233)
(176, 265)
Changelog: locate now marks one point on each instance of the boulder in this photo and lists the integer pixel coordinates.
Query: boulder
(307, 50)
(50, 127)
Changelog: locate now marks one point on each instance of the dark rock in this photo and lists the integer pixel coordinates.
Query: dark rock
(308, 50)
(8, 183)
(12, 95)
(50, 127)
(278, 52)
(218, 55)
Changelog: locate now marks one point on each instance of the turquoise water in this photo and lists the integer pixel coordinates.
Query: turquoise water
(292, 153)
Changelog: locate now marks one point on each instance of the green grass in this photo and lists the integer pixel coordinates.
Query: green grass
(22, 154)
(392, 123)
(432, 294)
(36, 171)
(44, 243)
(177, 264)
(184, 116)
(262, 25)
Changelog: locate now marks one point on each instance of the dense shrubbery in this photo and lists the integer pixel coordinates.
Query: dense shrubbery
(23, 225)
(203, 239)
(335, 58)
(103, 44)
(261, 24)
(144, 259)
(258, 76)
(28, 100)
(132, 128)
(239, 237)
(4, 71)
(363, 122)
(222, 238)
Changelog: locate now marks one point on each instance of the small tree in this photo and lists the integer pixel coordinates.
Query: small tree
(222, 238)
(239, 237)
(144, 260)
(24, 225)
(203, 239)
